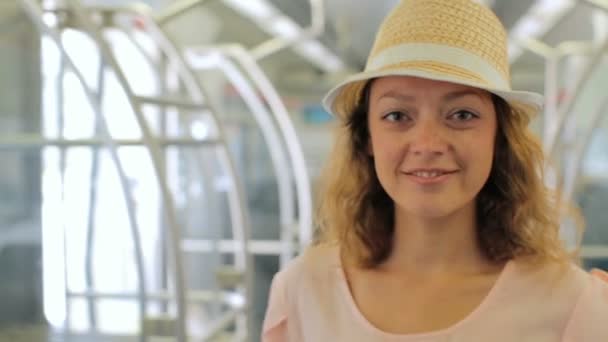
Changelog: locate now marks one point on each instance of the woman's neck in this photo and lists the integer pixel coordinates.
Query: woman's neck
(428, 246)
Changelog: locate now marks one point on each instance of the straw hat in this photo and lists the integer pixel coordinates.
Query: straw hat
(457, 41)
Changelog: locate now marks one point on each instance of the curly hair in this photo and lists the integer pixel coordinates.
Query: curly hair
(517, 215)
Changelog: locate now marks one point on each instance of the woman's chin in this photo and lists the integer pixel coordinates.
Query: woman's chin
(429, 212)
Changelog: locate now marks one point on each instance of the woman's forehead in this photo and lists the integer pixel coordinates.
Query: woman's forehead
(413, 86)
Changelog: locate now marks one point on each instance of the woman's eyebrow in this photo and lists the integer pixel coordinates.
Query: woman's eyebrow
(396, 95)
(461, 93)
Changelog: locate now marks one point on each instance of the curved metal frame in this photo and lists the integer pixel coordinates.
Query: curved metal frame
(196, 91)
(581, 147)
(35, 14)
(292, 143)
(273, 142)
(567, 107)
(236, 198)
(174, 55)
(269, 47)
(569, 178)
(552, 134)
(90, 236)
(176, 9)
(317, 26)
(553, 56)
(248, 61)
(154, 149)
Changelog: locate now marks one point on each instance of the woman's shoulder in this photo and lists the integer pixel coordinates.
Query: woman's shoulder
(317, 263)
(559, 272)
(572, 297)
(560, 280)
(588, 319)
(544, 289)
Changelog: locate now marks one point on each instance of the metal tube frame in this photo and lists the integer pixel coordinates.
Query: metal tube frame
(273, 141)
(599, 4)
(552, 56)
(160, 296)
(567, 107)
(289, 135)
(94, 32)
(35, 14)
(269, 47)
(162, 73)
(581, 147)
(176, 9)
(292, 144)
(90, 235)
(236, 197)
(60, 114)
(248, 62)
(31, 141)
(151, 142)
(317, 26)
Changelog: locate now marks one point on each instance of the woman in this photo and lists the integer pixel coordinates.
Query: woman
(435, 221)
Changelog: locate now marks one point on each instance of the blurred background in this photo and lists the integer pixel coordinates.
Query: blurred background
(160, 158)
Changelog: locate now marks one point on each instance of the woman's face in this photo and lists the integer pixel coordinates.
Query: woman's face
(432, 143)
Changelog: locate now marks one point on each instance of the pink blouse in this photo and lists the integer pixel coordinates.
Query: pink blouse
(310, 301)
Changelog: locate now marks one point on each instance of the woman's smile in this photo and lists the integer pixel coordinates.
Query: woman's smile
(430, 176)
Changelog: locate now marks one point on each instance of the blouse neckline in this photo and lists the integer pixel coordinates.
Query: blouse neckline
(488, 299)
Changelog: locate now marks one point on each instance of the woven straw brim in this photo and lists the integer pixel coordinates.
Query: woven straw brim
(343, 98)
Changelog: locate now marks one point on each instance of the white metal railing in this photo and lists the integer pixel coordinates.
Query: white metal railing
(221, 57)
(35, 14)
(284, 147)
(556, 115)
(199, 59)
(236, 197)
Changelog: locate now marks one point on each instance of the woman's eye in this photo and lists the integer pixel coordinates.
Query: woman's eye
(395, 116)
(463, 115)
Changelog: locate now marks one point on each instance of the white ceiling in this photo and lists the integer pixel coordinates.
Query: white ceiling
(351, 27)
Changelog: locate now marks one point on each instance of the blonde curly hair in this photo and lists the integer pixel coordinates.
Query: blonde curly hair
(517, 215)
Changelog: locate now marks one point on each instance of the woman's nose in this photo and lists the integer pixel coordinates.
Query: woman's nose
(428, 137)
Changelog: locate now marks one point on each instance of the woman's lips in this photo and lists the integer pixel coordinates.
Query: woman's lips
(427, 177)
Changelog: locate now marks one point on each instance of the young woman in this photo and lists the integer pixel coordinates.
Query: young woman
(435, 221)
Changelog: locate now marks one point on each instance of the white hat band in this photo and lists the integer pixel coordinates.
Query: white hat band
(438, 53)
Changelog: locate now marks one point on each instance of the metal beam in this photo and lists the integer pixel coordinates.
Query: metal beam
(33, 141)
